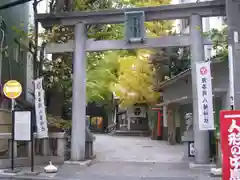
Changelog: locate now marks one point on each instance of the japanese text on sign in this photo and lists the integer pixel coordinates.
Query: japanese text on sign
(230, 137)
(204, 88)
(41, 120)
(234, 144)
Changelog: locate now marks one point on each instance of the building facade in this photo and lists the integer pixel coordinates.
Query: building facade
(182, 25)
(177, 91)
(16, 61)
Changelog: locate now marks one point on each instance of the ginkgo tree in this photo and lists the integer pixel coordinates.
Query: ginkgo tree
(135, 82)
(101, 75)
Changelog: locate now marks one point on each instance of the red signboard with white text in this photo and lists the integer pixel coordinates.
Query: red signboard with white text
(230, 142)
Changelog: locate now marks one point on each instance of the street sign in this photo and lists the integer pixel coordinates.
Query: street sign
(230, 143)
(191, 150)
(22, 130)
(22, 125)
(12, 89)
(205, 102)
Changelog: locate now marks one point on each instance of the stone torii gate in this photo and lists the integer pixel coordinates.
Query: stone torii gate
(80, 45)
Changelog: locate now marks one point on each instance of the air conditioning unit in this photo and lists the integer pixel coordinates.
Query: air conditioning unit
(137, 111)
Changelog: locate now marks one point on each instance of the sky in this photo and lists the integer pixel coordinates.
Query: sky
(175, 1)
(42, 6)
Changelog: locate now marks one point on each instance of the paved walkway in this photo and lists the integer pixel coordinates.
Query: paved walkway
(135, 149)
(132, 171)
(134, 158)
(131, 158)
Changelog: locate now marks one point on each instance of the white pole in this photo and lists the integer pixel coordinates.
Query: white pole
(231, 79)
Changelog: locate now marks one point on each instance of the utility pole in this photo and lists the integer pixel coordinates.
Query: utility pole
(232, 11)
(233, 96)
(35, 53)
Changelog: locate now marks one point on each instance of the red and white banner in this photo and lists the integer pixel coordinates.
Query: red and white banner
(230, 142)
(205, 102)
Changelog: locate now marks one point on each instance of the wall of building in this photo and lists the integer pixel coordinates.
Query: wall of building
(137, 121)
(16, 62)
(183, 87)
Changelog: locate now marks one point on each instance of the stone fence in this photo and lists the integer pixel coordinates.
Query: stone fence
(50, 149)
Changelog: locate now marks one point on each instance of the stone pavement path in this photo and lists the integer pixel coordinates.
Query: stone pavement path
(133, 158)
(135, 149)
(134, 171)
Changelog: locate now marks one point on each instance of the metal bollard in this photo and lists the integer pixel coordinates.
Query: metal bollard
(219, 155)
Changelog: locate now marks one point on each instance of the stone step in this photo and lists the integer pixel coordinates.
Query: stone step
(130, 133)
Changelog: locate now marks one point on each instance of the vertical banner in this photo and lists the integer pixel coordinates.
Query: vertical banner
(230, 143)
(29, 78)
(205, 102)
(41, 120)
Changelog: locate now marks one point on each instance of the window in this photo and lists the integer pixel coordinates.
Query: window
(185, 23)
(224, 20)
(3, 43)
(16, 52)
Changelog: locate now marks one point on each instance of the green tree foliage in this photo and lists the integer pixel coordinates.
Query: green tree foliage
(101, 75)
(101, 66)
(136, 84)
(135, 80)
(220, 42)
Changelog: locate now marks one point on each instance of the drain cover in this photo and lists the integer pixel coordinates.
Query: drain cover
(147, 146)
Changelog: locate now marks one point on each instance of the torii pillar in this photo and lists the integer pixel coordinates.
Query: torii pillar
(201, 138)
(79, 95)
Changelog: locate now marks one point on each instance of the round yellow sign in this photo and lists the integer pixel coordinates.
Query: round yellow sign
(12, 89)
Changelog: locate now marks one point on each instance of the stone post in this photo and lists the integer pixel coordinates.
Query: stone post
(10, 148)
(201, 138)
(45, 147)
(79, 95)
(61, 146)
(30, 148)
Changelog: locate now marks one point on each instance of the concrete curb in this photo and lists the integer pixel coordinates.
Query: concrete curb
(80, 163)
(216, 172)
(201, 166)
(39, 176)
(26, 177)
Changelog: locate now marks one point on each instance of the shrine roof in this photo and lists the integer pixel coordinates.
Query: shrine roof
(164, 84)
